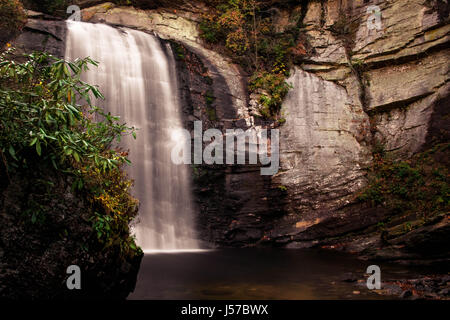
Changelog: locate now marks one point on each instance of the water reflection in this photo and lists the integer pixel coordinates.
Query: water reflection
(254, 274)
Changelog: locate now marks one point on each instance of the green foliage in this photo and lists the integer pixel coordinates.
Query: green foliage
(46, 108)
(125, 2)
(273, 84)
(245, 29)
(178, 50)
(35, 212)
(110, 232)
(281, 120)
(47, 119)
(420, 185)
(211, 114)
(110, 194)
(209, 98)
(13, 19)
(381, 225)
(210, 30)
(210, 110)
(51, 6)
(407, 226)
(357, 63)
(102, 226)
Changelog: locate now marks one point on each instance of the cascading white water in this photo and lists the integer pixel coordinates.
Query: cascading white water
(138, 79)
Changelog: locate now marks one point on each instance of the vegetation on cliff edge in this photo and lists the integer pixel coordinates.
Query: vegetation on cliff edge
(48, 122)
(247, 32)
(13, 19)
(415, 190)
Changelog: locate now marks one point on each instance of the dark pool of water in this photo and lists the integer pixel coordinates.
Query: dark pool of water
(256, 274)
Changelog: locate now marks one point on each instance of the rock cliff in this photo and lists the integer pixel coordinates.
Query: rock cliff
(373, 76)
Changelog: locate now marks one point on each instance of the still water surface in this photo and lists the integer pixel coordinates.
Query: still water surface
(256, 274)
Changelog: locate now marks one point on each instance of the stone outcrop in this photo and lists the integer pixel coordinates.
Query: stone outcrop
(41, 35)
(402, 67)
(397, 76)
(324, 144)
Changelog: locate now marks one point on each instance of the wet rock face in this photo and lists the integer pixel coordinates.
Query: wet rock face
(236, 204)
(324, 144)
(42, 35)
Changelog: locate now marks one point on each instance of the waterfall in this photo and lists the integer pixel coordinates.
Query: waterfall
(138, 79)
